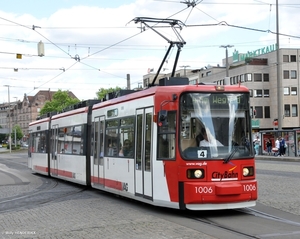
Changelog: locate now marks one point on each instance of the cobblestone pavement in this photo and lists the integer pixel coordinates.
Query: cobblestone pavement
(280, 191)
(91, 214)
(97, 215)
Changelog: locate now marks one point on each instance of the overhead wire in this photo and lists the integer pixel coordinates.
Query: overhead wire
(54, 77)
(223, 23)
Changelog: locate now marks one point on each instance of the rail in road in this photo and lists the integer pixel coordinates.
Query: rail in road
(94, 214)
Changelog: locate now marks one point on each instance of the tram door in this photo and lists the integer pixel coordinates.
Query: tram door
(54, 151)
(143, 163)
(98, 164)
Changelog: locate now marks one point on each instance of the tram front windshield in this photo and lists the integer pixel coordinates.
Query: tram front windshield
(215, 125)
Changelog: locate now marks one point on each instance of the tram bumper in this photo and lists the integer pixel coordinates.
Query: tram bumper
(218, 192)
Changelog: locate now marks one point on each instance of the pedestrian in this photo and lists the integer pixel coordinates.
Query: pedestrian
(277, 145)
(256, 145)
(269, 146)
(282, 147)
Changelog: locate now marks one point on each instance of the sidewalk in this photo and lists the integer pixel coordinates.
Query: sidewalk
(279, 158)
(5, 150)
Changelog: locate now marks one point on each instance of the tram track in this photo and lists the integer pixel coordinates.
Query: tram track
(236, 222)
(257, 213)
(216, 225)
(50, 191)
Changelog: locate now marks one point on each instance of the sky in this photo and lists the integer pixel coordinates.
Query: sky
(94, 44)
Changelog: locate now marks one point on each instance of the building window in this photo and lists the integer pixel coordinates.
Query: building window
(293, 58)
(251, 93)
(293, 74)
(242, 78)
(257, 77)
(266, 77)
(286, 91)
(266, 93)
(248, 77)
(294, 111)
(293, 90)
(257, 93)
(259, 112)
(208, 73)
(146, 81)
(287, 111)
(286, 75)
(285, 58)
(233, 80)
(267, 112)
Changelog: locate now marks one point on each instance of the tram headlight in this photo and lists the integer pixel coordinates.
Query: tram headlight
(195, 173)
(248, 171)
(198, 173)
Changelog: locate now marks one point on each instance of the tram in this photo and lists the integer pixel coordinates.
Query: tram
(177, 146)
(172, 144)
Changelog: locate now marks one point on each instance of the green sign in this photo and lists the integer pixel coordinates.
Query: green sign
(236, 57)
(255, 123)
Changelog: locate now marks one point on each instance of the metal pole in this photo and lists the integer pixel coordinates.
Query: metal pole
(184, 69)
(9, 135)
(279, 82)
(128, 81)
(227, 65)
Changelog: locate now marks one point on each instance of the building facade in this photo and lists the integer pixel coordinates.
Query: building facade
(23, 112)
(258, 72)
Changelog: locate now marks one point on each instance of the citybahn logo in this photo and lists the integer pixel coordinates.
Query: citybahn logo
(233, 166)
(225, 176)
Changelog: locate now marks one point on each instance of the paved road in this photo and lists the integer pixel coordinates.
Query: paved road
(98, 215)
(91, 214)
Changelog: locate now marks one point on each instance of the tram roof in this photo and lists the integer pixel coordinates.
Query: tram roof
(169, 90)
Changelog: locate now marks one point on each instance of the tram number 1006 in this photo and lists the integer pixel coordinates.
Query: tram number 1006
(249, 187)
(205, 190)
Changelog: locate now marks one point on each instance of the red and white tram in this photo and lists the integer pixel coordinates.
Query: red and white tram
(38, 159)
(176, 146)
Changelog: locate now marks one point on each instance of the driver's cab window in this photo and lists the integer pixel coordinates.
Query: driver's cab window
(214, 125)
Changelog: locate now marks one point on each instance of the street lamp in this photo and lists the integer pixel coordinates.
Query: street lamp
(227, 65)
(279, 81)
(9, 135)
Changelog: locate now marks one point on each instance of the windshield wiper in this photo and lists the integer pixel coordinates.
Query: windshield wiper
(233, 151)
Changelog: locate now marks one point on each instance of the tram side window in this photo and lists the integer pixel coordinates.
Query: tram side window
(70, 140)
(39, 142)
(120, 139)
(166, 137)
(112, 134)
(127, 137)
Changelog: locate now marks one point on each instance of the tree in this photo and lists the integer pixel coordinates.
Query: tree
(60, 100)
(19, 133)
(102, 92)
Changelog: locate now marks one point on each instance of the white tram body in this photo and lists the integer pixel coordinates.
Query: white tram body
(125, 176)
(67, 159)
(38, 160)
